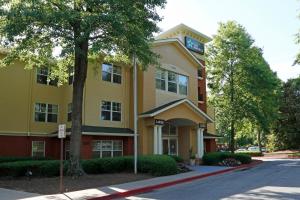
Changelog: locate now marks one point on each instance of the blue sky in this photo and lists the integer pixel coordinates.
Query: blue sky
(272, 24)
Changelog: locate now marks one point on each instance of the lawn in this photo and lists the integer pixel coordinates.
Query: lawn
(45, 185)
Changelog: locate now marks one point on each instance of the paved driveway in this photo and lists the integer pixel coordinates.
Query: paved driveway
(274, 179)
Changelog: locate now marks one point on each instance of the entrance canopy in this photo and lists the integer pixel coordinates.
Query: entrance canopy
(178, 109)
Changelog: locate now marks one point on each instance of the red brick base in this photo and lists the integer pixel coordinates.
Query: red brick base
(20, 146)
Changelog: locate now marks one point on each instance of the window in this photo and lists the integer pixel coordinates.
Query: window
(160, 77)
(111, 111)
(42, 77)
(111, 73)
(38, 149)
(71, 75)
(69, 112)
(169, 129)
(200, 96)
(172, 82)
(46, 112)
(182, 83)
(107, 148)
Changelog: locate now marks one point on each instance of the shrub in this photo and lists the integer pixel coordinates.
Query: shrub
(178, 159)
(14, 159)
(216, 157)
(38, 168)
(253, 153)
(157, 165)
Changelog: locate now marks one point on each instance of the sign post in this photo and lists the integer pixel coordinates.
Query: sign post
(61, 135)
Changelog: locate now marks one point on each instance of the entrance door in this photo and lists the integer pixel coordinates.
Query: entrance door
(170, 146)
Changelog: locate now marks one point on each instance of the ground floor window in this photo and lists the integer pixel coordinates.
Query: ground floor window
(38, 149)
(67, 150)
(170, 146)
(107, 148)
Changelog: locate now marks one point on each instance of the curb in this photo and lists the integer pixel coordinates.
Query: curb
(170, 183)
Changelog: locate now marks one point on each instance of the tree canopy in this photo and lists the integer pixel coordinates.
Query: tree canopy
(59, 34)
(243, 87)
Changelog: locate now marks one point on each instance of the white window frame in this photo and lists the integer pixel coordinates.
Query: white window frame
(169, 131)
(169, 149)
(46, 75)
(44, 144)
(46, 112)
(163, 78)
(176, 81)
(111, 111)
(112, 149)
(112, 73)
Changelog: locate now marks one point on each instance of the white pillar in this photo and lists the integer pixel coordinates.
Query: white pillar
(200, 142)
(159, 138)
(155, 145)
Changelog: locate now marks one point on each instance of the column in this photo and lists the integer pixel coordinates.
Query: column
(159, 138)
(155, 145)
(200, 142)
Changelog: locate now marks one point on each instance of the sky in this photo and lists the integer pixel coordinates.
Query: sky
(273, 25)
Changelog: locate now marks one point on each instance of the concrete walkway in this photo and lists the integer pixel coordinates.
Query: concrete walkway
(104, 191)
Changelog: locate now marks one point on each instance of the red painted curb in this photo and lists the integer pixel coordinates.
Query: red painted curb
(170, 183)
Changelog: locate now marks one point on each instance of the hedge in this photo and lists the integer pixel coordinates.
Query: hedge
(253, 153)
(14, 159)
(157, 165)
(178, 159)
(217, 157)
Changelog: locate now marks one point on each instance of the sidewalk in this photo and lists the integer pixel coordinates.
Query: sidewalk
(131, 188)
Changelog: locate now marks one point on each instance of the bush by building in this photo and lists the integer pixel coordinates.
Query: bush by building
(217, 157)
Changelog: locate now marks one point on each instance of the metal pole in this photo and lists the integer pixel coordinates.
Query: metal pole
(135, 111)
(61, 189)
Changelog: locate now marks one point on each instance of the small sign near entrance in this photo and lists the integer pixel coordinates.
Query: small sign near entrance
(159, 122)
(61, 131)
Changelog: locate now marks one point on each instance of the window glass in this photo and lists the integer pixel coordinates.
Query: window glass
(183, 83)
(107, 148)
(106, 72)
(42, 76)
(40, 112)
(46, 112)
(116, 115)
(173, 146)
(106, 145)
(200, 73)
(38, 148)
(172, 130)
(106, 110)
(172, 82)
(117, 71)
(165, 129)
(160, 79)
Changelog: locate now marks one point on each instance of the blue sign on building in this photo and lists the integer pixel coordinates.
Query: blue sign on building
(194, 45)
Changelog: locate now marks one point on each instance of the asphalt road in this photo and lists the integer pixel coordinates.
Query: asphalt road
(276, 179)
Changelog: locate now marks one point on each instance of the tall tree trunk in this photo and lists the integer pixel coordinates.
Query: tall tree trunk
(259, 139)
(80, 73)
(232, 134)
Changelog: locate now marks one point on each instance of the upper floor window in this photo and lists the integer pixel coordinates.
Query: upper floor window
(46, 112)
(111, 111)
(111, 73)
(69, 112)
(160, 77)
(171, 81)
(42, 77)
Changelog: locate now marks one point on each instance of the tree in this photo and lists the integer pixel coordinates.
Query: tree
(287, 131)
(81, 29)
(243, 87)
(226, 57)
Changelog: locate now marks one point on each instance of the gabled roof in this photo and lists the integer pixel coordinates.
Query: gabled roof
(182, 27)
(167, 106)
(181, 45)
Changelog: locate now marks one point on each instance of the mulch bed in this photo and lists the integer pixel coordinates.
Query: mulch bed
(51, 185)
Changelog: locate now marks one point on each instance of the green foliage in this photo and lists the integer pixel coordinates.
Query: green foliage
(287, 130)
(13, 159)
(216, 157)
(243, 87)
(38, 168)
(157, 165)
(253, 153)
(178, 159)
